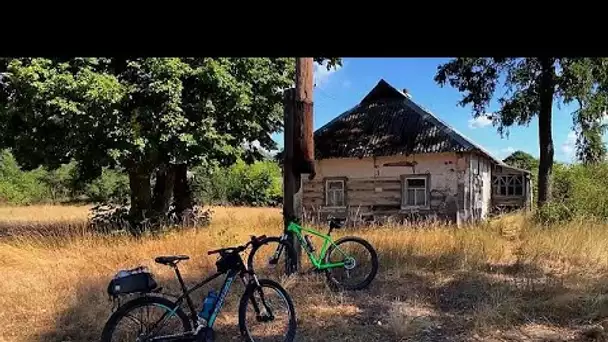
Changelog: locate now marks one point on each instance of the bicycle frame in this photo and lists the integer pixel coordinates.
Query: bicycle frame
(231, 274)
(318, 262)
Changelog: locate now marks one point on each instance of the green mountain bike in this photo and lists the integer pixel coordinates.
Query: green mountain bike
(349, 263)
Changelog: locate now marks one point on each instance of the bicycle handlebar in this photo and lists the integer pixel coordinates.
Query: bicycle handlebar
(238, 249)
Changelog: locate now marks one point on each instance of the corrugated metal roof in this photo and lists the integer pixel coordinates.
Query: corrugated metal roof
(387, 122)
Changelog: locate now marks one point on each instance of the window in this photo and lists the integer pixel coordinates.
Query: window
(334, 193)
(508, 185)
(475, 165)
(415, 191)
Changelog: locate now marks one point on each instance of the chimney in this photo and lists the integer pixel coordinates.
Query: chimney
(407, 93)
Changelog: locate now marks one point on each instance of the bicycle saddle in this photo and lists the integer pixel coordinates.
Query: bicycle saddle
(335, 223)
(170, 259)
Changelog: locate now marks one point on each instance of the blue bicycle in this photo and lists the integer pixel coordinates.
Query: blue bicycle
(171, 323)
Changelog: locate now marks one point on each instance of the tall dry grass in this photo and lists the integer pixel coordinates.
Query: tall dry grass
(505, 278)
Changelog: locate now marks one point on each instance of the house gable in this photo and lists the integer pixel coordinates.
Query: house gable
(387, 122)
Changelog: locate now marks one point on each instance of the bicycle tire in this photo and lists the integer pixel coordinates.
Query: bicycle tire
(287, 247)
(245, 298)
(108, 330)
(368, 279)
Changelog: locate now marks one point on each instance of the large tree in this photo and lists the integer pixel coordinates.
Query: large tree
(152, 117)
(532, 86)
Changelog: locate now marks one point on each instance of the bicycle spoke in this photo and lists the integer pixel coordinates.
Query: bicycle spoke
(357, 263)
(271, 324)
(148, 324)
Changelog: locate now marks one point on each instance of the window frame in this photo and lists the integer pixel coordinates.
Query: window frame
(326, 182)
(507, 182)
(475, 164)
(427, 191)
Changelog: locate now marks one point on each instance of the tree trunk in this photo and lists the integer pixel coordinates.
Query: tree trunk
(181, 191)
(545, 168)
(163, 190)
(141, 197)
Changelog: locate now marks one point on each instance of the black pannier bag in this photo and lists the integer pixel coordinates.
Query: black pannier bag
(228, 261)
(136, 280)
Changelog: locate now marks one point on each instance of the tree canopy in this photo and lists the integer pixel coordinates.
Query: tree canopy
(141, 114)
(522, 160)
(532, 85)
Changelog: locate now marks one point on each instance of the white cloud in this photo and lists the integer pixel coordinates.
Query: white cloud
(507, 150)
(480, 122)
(504, 152)
(322, 75)
(568, 147)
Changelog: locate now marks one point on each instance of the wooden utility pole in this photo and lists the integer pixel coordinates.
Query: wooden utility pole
(299, 149)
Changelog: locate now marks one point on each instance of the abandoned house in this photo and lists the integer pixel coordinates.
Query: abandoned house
(387, 157)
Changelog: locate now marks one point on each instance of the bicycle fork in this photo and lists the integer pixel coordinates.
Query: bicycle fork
(267, 316)
(274, 259)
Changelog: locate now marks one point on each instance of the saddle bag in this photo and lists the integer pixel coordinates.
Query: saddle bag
(136, 280)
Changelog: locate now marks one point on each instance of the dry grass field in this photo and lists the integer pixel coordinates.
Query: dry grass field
(507, 280)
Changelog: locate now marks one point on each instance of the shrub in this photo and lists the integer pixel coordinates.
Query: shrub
(19, 187)
(578, 191)
(257, 184)
(60, 183)
(112, 186)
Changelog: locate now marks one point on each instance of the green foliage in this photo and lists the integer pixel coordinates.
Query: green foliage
(141, 114)
(18, 187)
(256, 184)
(522, 160)
(144, 111)
(531, 85)
(581, 80)
(579, 191)
(60, 182)
(112, 186)
(21, 188)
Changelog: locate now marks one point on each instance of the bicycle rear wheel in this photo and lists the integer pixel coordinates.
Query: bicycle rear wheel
(162, 319)
(270, 306)
(361, 263)
(268, 259)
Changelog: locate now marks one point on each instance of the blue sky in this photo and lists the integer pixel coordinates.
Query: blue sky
(339, 90)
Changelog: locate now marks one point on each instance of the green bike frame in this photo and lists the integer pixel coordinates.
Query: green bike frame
(318, 262)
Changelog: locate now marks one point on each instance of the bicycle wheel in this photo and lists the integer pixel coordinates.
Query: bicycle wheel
(264, 260)
(356, 253)
(161, 320)
(276, 314)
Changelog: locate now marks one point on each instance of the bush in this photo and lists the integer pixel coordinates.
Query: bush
(257, 184)
(19, 187)
(112, 186)
(578, 191)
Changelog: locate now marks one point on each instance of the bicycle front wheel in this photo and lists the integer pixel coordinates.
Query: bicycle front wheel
(267, 313)
(145, 319)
